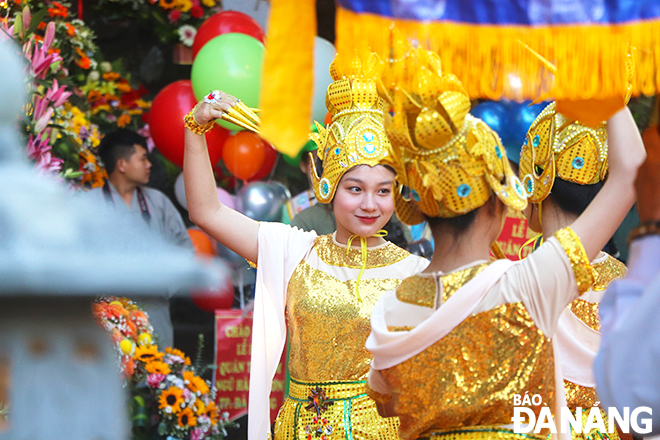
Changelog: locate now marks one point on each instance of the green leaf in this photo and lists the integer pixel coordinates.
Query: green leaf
(18, 24)
(36, 19)
(139, 400)
(162, 429)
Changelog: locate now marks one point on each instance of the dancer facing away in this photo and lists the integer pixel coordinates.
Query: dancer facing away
(453, 345)
(563, 165)
(321, 289)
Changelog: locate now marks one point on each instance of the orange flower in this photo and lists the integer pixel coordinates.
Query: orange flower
(41, 26)
(148, 354)
(123, 120)
(84, 63)
(53, 50)
(127, 365)
(70, 29)
(195, 383)
(94, 95)
(212, 412)
(111, 76)
(167, 4)
(187, 418)
(58, 10)
(179, 353)
(158, 367)
(171, 398)
(123, 86)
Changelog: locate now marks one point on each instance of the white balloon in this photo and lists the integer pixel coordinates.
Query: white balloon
(324, 53)
(180, 192)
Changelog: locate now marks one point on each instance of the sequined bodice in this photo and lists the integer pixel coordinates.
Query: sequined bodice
(605, 272)
(327, 324)
(469, 377)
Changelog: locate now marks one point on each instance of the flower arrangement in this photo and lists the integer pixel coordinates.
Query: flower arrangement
(172, 20)
(74, 94)
(167, 393)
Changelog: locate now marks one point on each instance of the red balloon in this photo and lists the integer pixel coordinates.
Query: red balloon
(244, 154)
(226, 22)
(269, 163)
(214, 299)
(166, 123)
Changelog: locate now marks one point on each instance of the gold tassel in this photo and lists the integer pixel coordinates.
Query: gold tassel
(287, 80)
(590, 60)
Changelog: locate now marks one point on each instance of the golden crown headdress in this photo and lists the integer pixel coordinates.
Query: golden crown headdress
(558, 146)
(356, 135)
(452, 160)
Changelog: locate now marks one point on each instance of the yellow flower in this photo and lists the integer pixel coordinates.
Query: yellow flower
(212, 412)
(200, 409)
(184, 5)
(187, 418)
(158, 367)
(195, 383)
(123, 120)
(171, 398)
(208, 3)
(124, 87)
(167, 4)
(179, 353)
(142, 103)
(148, 354)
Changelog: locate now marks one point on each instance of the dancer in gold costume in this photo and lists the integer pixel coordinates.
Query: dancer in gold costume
(454, 344)
(563, 165)
(320, 289)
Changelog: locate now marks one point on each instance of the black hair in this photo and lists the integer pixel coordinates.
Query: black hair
(119, 144)
(458, 224)
(573, 197)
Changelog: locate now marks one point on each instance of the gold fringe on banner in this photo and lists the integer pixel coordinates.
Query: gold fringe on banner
(491, 62)
(287, 80)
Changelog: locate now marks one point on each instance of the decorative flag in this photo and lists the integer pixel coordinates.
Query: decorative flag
(483, 42)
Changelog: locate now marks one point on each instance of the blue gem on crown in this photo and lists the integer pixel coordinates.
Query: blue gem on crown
(463, 190)
(337, 150)
(498, 151)
(578, 163)
(370, 148)
(415, 195)
(536, 141)
(368, 136)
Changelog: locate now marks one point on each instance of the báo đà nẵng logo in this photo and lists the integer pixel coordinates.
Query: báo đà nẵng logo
(525, 419)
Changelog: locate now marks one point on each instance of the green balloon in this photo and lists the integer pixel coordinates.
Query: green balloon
(231, 63)
(309, 146)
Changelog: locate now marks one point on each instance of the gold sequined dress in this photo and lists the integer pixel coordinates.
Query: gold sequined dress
(461, 383)
(578, 335)
(327, 327)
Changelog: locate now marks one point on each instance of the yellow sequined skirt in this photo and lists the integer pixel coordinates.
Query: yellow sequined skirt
(481, 433)
(339, 410)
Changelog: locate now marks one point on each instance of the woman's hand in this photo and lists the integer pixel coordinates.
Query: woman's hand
(214, 106)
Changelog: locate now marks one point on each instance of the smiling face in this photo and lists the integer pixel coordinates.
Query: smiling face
(363, 203)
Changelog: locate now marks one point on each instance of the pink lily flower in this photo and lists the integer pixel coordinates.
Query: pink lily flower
(27, 18)
(57, 95)
(43, 121)
(49, 36)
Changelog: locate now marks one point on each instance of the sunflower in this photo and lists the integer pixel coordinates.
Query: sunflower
(195, 383)
(178, 353)
(158, 367)
(212, 412)
(187, 418)
(200, 409)
(167, 4)
(148, 353)
(171, 398)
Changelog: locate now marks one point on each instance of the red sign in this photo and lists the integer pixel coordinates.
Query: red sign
(232, 361)
(514, 235)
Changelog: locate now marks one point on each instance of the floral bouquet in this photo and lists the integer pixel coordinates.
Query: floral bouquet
(167, 394)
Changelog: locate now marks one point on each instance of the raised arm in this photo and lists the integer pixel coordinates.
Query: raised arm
(231, 228)
(603, 216)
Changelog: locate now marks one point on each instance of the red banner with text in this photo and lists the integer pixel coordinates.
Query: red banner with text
(514, 235)
(232, 375)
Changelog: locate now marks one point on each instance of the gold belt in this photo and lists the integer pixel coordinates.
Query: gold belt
(301, 390)
(479, 433)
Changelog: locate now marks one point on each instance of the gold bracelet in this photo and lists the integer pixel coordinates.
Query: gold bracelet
(191, 123)
(644, 229)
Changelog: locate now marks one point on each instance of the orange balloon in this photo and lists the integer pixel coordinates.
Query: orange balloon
(201, 242)
(244, 153)
(591, 112)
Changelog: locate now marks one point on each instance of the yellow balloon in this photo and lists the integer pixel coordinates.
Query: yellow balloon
(144, 339)
(126, 346)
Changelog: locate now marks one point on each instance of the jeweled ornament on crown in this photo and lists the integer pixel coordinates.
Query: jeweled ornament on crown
(536, 141)
(368, 136)
(578, 163)
(370, 148)
(463, 190)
